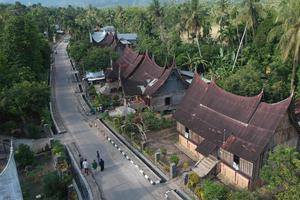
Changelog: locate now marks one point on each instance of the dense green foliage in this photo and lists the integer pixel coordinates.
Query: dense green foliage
(24, 65)
(55, 186)
(98, 59)
(24, 156)
(281, 173)
(207, 37)
(213, 190)
(238, 195)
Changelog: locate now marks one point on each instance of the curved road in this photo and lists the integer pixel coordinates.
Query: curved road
(120, 179)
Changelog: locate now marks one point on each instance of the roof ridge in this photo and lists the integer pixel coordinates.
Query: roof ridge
(238, 121)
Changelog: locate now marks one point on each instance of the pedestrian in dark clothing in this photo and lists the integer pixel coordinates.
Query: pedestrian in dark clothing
(101, 163)
(98, 156)
(80, 161)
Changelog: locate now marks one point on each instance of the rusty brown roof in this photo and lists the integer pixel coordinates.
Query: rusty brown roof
(152, 89)
(206, 147)
(127, 58)
(137, 76)
(217, 116)
(108, 40)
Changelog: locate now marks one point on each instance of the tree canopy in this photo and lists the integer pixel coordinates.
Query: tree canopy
(281, 173)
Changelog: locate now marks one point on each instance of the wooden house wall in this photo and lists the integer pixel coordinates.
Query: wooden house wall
(229, 175)
(173, 88)
(197, 139)
(189, 143)
(245, 166)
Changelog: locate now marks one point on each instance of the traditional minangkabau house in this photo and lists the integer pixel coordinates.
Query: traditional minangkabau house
(231, 135)
(144, 83)
(103, 39)
(128, 57)
(108, 37)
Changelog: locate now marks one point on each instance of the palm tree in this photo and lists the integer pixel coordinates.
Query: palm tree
(249, 16)
(156, 12)
(289, 19)
(194, 21)
(195, 61)
(250, 13)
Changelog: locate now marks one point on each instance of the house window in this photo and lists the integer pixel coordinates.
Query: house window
(187, 133)
(167, 101)
(236, 162)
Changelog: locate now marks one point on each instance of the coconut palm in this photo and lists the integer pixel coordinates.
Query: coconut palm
(194, 21)
(249, 16)
(289, 19)
(195, 61)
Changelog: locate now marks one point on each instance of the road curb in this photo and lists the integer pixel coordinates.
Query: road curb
(132, 162)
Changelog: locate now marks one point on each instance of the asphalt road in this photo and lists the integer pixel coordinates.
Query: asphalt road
(120, 180)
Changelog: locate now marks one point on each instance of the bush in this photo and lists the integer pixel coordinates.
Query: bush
(34, 131)
(241, 195)
(8, 126)
(102, 100)
(149, 151)
(167, 123)
(174, 159)
(185, 165)
(213, 190)
(198, 192)
(163, 151)
(24, 156)
(115, 100)
(194, 179)
(151, 121)
(58, 149)
(55, 186)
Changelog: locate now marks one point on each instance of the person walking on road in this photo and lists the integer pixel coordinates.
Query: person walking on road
(85, 167)
(101, 163)
(94, 165)
(80, 161)
(98, 156)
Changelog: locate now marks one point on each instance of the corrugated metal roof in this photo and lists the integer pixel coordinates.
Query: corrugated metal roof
(141, 75)
(98, 36)
(10, 188)
(217, 115)
(127, 36)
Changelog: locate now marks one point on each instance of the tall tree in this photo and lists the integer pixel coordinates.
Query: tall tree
(281, 173)
(289, 19)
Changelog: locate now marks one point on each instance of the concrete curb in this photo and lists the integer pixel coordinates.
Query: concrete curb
(73, 160)
(131, 161)
(138, 155)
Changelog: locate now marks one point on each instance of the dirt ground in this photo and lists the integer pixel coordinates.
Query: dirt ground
(167, 139)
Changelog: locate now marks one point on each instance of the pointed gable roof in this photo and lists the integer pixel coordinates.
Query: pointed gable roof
(137, 76)
(152, 88)
(108, 40)
(127, 58)
(246, 123)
